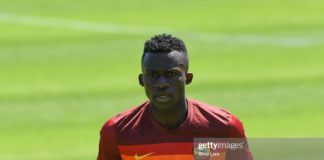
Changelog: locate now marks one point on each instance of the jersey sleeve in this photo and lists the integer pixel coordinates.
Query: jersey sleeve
(108, 148)
(236, 128)
(238, 134)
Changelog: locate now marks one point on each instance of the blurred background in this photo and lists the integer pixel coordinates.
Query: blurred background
(67, 66)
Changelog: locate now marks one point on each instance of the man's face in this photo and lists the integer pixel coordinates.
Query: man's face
(164, 78)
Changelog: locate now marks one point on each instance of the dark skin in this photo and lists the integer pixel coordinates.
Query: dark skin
(164, 76)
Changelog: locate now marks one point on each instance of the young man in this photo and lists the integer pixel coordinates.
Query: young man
(164, 127)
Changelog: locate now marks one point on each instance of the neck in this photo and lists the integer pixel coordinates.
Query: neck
(171, 118)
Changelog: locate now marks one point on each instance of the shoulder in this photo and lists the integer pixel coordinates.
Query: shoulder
(125, 118)
(216, 118)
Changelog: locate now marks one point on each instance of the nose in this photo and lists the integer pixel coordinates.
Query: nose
(161, 83)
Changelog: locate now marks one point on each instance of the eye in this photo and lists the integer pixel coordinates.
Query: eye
(172, 74)
(151, 74)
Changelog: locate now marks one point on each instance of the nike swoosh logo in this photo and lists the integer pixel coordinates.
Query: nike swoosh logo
(143, 156)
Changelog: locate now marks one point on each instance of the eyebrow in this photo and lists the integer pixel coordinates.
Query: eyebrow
(170, 69)
(174, 69)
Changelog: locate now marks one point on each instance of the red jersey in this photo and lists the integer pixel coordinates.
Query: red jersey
(135, 134)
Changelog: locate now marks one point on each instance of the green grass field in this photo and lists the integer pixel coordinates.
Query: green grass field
(68, 66)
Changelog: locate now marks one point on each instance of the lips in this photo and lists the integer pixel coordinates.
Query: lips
(162, 98)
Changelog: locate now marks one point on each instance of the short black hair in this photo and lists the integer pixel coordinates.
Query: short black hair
(165, 43)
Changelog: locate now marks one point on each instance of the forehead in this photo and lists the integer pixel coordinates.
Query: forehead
(163, 61)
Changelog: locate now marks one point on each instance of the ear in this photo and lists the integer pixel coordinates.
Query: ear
(189, 77)
(141, 80)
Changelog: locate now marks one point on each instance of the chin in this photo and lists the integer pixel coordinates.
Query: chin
(163, 105)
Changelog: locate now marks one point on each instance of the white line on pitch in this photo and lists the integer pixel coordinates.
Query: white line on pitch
(143, 30)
